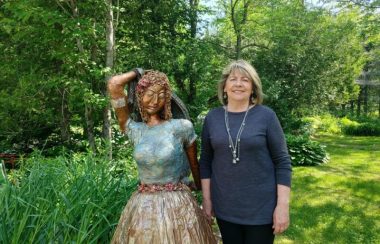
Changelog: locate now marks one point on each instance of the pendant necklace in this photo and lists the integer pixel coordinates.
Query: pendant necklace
(235, 148)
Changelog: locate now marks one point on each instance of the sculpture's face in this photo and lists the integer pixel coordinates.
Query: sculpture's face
(153, 100)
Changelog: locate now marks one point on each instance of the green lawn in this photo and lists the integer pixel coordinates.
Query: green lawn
(338, 202)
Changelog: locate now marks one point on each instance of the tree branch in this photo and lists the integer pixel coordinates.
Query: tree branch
(254, 45)
(63, 8)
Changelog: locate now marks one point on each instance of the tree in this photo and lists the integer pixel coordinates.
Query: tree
(307, 58)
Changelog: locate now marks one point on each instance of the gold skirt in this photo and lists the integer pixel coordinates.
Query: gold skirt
(163, 217)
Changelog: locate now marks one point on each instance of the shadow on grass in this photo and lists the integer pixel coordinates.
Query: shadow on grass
(343, 145)
(364, 189)
(338, 202)
(353, 171)
(334, 207)
(331, 223)
(351, 140)
(350, 180)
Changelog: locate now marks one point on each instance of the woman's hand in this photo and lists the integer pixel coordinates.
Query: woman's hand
(207, 209)
(280, 218)
(281, 212)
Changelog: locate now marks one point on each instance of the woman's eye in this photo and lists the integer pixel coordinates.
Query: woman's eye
(149, 93)
(161, 96)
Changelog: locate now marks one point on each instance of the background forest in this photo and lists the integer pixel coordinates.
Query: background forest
(319, 62)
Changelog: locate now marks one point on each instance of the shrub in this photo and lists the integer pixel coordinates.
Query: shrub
(305, 152)
(71, 199)
(364, 127)
(324, 123)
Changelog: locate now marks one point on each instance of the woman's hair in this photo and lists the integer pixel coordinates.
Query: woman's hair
(151, 78)
(246, 69)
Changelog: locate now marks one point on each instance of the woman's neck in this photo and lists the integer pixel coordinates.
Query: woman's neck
(237, 106)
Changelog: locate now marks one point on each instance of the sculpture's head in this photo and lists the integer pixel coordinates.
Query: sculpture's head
(154, 95)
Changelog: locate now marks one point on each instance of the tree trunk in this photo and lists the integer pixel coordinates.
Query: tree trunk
(65, 117)
(110, 55)
(193, 17)
(193, 32)
(343, 107)
(90, 127)
(238, 25)
(359, 101)
(365, 99)
(378, 100)
(238, 46)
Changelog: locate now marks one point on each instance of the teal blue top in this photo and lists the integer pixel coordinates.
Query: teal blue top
(160, 150)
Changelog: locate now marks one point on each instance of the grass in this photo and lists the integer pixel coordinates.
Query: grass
(338, 202)
(79, 199)
(72, 199)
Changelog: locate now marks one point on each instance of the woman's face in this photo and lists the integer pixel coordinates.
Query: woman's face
(238, 87)
(153, 99)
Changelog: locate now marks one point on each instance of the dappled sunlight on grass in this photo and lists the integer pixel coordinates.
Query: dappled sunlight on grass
(338, 202)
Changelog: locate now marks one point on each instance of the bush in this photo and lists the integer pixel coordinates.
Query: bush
(362, 127)
(72, 199)
(305, 152)
(324, 123)
(296, 126)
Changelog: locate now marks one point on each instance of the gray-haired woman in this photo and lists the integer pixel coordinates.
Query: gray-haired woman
(245, 166)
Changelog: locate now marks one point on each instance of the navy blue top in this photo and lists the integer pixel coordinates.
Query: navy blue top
(245, 192)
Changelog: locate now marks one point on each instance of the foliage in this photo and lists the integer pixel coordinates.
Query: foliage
(308, 58)
(324, 123)
(52, 90)
(53, 80)
(297, 126)
(51, 70)
(362, 127)
(71, 198)
(357, 126)
(305, 152)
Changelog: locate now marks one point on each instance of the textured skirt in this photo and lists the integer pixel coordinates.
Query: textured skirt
(163, 217)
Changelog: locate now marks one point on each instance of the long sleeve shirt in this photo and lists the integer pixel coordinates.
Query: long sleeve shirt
(245, 192)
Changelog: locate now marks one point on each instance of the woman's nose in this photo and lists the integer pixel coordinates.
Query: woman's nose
(238, 82)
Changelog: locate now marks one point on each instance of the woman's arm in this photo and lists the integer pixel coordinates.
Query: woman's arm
(191, 152)
(281, 213)
(207, 203)
(207, 155)
(283, 169)
(115, 87)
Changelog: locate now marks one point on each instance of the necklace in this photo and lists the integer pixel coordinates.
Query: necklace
(235, 148)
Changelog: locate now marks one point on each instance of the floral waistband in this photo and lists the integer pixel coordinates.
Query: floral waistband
(162, 187)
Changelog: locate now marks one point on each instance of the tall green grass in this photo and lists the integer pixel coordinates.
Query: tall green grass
(67, 199)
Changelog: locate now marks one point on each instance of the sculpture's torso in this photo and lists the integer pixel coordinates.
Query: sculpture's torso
(160, 150)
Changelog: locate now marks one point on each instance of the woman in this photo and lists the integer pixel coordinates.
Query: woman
(245, 167)
(163, 209)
